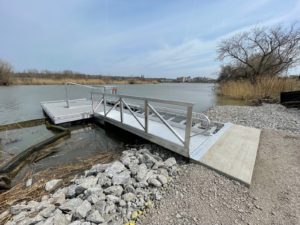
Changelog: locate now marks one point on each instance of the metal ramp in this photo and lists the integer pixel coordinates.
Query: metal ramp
(227, 148)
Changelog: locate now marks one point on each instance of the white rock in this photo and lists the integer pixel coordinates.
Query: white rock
(59, 218)
(128, 197)
(59, 198)
(16, 209)
(114, 190)
(98, 168)
(170, 162)
(71, 205)
(28, 182)
(162, 179)
(142, 172)
(114, 168)
(121, 178)
(71, 191)
(154, 182)
(112, 198)
(53, 184)
(47, 212)
(95, 217)
(87, 182)
(82, 210)
(103, 180)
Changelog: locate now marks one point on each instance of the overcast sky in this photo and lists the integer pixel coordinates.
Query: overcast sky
(157, 38)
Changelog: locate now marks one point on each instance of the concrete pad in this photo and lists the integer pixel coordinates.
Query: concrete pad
(234, 153)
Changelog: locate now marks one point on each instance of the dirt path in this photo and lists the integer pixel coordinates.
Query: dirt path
(202, 196)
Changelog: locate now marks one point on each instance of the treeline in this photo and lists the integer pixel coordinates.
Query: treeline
(256, 61)
(8, 76)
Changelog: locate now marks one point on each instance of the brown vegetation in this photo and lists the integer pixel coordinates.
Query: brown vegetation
(66, 172)
(34, 77)
(265, 88)
(57, 79)
(5, 73)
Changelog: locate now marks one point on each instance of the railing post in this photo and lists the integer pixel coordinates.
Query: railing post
(121, 110)
(188, 127)
(146, 112)
(92, 102)
(67, 96)
(104, 104)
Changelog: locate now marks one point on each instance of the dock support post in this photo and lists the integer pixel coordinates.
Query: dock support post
(104, 105)
(188, 128)
(67, 96)
(121, 110)
(146, 112)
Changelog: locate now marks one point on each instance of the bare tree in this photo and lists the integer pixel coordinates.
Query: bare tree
(5, 73)
(262, 51)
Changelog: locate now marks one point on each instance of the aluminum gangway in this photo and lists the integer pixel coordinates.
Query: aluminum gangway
(225, 147)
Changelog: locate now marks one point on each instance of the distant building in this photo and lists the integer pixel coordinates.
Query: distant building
(183, 79)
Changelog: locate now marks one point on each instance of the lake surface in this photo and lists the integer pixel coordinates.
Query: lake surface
(18, 103)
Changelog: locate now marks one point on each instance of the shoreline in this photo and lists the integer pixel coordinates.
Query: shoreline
(201, 196)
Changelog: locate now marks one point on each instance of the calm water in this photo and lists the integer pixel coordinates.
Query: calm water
(18, 103)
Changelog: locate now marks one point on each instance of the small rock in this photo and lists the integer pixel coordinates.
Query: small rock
(59, 218)
(122, 203)
(128, 197)
(142, 172)
(100, 206)
(71, 205)
(53, 184)
(114, 190)
(112, 198)
(28, 182)
(16, 209)
(162, 179)
(59, 198)
(95, 217)
(114, 168)
(154, 182)
(98, 168)
(170, 162)
(121, 178)
(87, 182)
(47, 212)
(82, 210)
(134, 168)
(71, 191)
(104, 181)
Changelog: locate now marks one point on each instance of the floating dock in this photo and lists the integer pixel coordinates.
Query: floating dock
(227, 148)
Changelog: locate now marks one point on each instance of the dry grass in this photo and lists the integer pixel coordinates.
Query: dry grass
(265, 87)
(89, 81)
(66, 172)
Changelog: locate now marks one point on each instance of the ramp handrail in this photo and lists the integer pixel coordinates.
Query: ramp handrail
(103, 87)
(148, 107)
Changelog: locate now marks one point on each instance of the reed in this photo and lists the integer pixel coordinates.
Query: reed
(265, 87)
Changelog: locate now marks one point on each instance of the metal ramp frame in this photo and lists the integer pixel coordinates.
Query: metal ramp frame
(227, 148)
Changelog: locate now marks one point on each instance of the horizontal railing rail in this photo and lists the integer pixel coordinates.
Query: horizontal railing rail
(144, 122)
(103, 89)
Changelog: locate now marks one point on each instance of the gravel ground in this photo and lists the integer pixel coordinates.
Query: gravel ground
(202, 196)
(272, 116)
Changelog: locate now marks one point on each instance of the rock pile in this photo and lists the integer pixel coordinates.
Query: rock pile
(111, 194)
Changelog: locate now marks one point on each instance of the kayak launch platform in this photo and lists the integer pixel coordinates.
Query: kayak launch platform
(227, 148)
